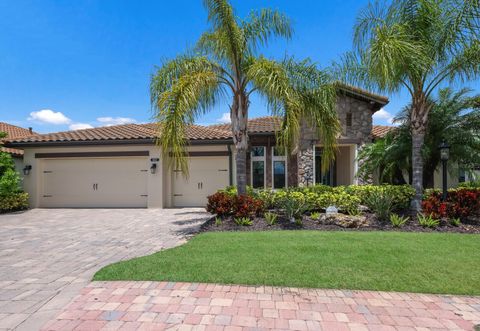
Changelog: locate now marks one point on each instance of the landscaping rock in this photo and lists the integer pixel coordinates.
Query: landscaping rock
(345, 221)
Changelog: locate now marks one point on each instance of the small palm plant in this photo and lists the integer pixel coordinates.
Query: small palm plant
(398, 221)
(226, 64)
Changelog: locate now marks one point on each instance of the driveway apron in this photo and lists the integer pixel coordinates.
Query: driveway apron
(48, 255)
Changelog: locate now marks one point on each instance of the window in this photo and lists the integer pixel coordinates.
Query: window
(322, 177)
(348, 120)
(258, 166)
(279, 168)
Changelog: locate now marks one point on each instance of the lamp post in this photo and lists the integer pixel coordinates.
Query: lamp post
(444, 155)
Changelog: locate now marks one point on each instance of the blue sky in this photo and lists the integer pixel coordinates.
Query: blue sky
(72, 64)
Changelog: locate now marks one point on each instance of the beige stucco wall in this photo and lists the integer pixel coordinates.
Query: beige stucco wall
(33, 183)
(345, 165)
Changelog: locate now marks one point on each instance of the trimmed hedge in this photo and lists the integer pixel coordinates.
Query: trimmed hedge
(13, 202)
(460, 203)
(345, 198)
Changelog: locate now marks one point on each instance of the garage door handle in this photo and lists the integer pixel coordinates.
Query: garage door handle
(222, 169)
(178, 195)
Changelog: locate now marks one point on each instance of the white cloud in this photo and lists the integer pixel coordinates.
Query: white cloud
(80, 126)
(225, 119)
(109, 121)
(383, 115)
(49, 116)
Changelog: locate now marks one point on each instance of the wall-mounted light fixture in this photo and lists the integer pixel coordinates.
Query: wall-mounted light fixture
(27, 169)
(153, 167)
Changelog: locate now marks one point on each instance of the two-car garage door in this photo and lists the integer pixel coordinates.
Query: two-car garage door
(95, 182)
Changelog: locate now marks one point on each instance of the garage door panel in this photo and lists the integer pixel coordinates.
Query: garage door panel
(95, 182)
(206, 176)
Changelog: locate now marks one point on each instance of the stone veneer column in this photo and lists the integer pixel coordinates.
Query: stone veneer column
(305, 166)
(362, 181)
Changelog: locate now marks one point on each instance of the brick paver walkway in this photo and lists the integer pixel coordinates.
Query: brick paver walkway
(187, 306)
(48, 255)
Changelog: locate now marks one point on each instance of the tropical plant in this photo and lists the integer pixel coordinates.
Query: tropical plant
(455, 222)
(226, 64)
(315, 216)
(271, 218)
(453, 117)
(218, 221)
(414, 45)
(427, 221)
(398, 221)
(381, 203)
(243, 221)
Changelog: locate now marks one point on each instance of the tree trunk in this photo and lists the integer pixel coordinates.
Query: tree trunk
(417, 169)
(239, 117)
(419, 117)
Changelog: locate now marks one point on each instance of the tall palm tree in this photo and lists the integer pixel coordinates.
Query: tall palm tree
(414, 45)
(454, 117)
(225, 64)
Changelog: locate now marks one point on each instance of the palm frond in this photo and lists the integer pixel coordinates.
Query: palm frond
(181, 90)
(261, 25)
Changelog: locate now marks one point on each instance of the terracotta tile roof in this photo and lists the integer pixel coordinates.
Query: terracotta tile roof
(256, 125)
(128, 132)
(379, 131)
(13, 132)
(118, 133)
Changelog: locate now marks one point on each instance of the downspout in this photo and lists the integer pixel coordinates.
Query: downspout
(230, 165)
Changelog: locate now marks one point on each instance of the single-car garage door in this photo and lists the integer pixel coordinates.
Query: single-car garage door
(95, 182)
(207, 174)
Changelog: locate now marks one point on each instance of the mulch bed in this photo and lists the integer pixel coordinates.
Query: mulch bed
(259, 224)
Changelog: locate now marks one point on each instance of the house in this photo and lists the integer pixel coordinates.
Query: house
(121, 166)
(14, 132)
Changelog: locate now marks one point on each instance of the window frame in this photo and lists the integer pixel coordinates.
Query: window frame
(259, 159)
(279, 158)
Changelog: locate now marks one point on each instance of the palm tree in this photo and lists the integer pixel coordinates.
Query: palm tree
(225, 64)
(414, 45)
(453, 117)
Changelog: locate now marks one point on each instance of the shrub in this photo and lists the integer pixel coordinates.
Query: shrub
(292, 202)
(398, 221)
(243, 221)
(247, 206)
(455, 222)
(298, 221)
(381, 202)
(13, 202)
(223, 203)
(271, 218)
(472, 184)
(268, 198)
(460, 203)
(315, 216)
(218, 221)
(343, 201)
(401, 194)
(427, 221)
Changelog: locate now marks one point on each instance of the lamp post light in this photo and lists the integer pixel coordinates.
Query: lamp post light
(444, 155)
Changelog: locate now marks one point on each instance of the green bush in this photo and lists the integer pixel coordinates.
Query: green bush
(381, 203)
(427, 221)
(343, 201)
(13, 202)
(292, 202)
(315, 216)
(243, 221)
(398, 221)
(271, 218)
(472, 184)
(401, 194)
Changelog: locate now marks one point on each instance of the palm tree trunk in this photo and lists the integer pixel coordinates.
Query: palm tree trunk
(417, 167)
(419, 117)
(239, 117)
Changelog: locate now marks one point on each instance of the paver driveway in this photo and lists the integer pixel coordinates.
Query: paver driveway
(48, 255)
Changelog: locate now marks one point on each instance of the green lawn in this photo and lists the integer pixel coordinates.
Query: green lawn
(390, 261)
